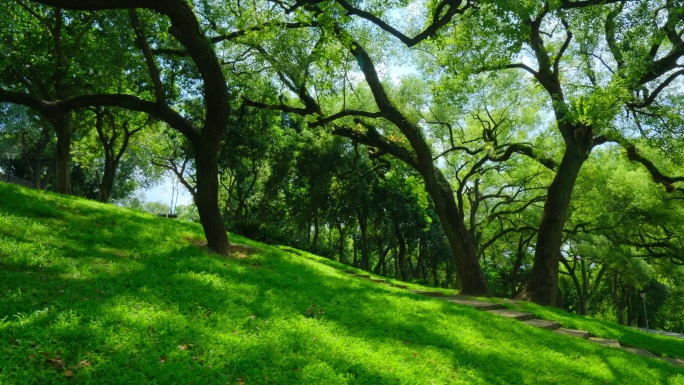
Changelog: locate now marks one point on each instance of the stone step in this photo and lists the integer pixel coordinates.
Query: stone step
(378, 280)
(605, 342)
(639, 352)
(362, 275)
(473, 303)
(520, 316)
(674, 361)
(428, 293)
(399, 286)
(574, 333)
(544, 324)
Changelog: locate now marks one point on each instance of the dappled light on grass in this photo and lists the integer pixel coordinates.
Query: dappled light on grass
(141, 303)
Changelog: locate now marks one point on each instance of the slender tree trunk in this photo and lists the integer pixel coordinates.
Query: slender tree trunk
(435, 270)
(206, 200)
(543, 285)
(381, 266)
(514, 274)
(401, 257)
(340, 245)
(365, 251)
(421, 259)
(356, 254)
(62, 125)
(314, 247)
(36, 164)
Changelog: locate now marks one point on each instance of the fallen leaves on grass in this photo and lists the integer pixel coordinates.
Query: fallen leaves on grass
(84, 363)
(57, 362)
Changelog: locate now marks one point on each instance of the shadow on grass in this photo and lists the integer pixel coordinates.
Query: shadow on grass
(170, 313)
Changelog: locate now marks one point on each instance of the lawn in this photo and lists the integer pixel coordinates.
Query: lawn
(95, 293)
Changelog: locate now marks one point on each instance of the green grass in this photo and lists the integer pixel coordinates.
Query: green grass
(658, 344)
(99, 294)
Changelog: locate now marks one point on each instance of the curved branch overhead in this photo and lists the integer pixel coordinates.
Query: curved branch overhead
(658, 177)
(186, 29)
(445, 11)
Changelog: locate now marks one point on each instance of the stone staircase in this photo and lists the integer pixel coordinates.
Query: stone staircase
(528, 318)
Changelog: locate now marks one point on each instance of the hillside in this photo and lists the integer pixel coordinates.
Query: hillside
(95, 293)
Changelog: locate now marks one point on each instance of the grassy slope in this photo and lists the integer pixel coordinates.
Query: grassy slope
(107, 295)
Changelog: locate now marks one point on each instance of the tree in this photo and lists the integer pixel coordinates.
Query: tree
(35, 139)
(585, 103)
(188, 32)
(415, 151)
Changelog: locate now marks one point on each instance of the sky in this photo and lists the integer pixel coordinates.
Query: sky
(162, 193)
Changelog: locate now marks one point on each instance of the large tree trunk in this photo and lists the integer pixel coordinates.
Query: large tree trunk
(462, 247)
(62, 125)
(206, 200)
(543, 285)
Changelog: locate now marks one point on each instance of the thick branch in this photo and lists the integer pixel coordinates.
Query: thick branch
(658, 177)
(528, 151)
(149, 58)
(371, 137)
(439, 19)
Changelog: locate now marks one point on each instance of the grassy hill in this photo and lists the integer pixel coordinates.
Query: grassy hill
(94, 293)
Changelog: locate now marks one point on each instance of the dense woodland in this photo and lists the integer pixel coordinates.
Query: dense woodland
(524, 149)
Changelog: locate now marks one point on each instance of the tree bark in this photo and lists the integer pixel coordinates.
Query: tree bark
(421, 258)
(365, 251)
(316, 236)
(206, 201)
(543, 285)
(186, 28)
(62, 126)
(401, 256)
(462, 246)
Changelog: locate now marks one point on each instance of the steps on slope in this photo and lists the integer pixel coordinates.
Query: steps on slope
(674, 361)
(639, 352)
(518, 315)
(480, 305)
(543, 324)
(605, 342)
(574, 333)
(528, 318)
(428, 293)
